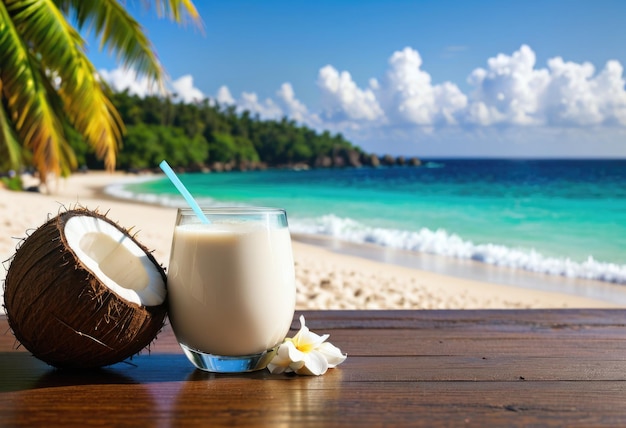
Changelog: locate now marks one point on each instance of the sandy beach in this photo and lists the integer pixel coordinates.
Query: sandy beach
(326, 279)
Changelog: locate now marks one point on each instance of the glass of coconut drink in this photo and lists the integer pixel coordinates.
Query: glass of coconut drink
(231, 286)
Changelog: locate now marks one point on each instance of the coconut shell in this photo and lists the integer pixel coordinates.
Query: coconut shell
(62, 313)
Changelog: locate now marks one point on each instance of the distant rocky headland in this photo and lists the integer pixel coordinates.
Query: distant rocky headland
(208, 137)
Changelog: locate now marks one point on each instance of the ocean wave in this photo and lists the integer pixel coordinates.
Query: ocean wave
(444, 243)
(120, 191)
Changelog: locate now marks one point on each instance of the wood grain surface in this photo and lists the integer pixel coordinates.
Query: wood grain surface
(404, 368)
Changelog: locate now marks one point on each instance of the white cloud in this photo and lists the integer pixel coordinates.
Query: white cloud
(122, 79)
(293, 107)
(610, 87)
(266, 110)
(509, 91)
(224, 96)
(408, 95)
(405, 95)
(343, 100)
(576, 97)
(512, 91)
(185, 91)
(286, 105)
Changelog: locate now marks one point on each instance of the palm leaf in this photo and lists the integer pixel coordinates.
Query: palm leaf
(175, 8)
(118, 33)
(36, 122)
(83, 98)
(121, 34)
(10, 147)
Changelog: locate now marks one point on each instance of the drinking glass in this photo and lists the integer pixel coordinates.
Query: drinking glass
(231, 286)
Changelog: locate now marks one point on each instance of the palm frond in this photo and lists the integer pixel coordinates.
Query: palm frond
(176, 9)
(10, 147)
(120, 34)
(35, 120)
(83, 98)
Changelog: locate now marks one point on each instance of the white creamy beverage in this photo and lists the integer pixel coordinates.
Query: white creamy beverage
(231, 287)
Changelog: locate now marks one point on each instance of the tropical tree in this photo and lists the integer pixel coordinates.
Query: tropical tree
(48, 86)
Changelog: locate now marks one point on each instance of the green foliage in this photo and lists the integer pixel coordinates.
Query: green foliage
(12, 183)
(226, 148)
(194, 135)
(78, 145)
(147, 145)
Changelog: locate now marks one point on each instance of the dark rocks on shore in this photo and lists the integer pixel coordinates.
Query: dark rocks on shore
(323, 161)
(388, 160)
(340, 159)
(353, 158)
(339, 162)
(245, 165)
(372, 160)
(415, 162)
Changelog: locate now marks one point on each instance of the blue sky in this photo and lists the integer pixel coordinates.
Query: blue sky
(425, 78)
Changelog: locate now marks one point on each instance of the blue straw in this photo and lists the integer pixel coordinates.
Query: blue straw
(167, 169)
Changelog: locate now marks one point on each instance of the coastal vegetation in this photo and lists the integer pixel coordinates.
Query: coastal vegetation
(206, 135)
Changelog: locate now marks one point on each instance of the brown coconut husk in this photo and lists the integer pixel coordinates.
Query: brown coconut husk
(62, 313)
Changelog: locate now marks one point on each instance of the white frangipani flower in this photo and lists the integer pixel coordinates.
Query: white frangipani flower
(306, 353)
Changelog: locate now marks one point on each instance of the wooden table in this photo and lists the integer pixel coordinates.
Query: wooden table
(404, 368)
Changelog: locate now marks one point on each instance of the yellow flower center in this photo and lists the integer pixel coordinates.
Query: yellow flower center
(301, 346)
(304, 347)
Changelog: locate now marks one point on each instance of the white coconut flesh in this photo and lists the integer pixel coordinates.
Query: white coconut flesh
(116, 260)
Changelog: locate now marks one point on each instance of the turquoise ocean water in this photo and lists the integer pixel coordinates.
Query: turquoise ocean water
(557, 217)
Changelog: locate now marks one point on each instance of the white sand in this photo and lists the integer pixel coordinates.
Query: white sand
(325, 279)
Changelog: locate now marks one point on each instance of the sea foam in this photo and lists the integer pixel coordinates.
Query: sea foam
(119, 191)
(444, 243)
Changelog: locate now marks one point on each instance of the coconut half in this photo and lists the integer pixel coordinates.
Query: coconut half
(81, 292)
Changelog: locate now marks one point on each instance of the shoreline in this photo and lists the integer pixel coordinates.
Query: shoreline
(329, 275)
(472, 270)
